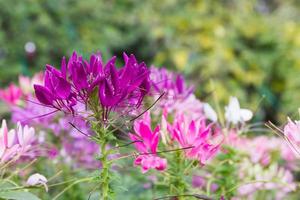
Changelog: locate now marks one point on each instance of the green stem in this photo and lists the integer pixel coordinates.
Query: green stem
(177, 183)
(105, 173)
(102, 138)
(71, 185)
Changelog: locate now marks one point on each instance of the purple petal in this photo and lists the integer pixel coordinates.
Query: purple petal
(43, 94)
(179, 83)
(79, 76)
(106, 95)
(63, 68)
(62, 88)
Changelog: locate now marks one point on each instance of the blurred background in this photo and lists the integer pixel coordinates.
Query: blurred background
(246, 48)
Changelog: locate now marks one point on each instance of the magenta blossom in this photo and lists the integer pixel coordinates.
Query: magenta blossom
(148, 146)
(11, 95)
(197, 137)
(76, 80)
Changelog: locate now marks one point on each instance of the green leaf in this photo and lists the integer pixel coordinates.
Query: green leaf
(6, 184)
(18, 195)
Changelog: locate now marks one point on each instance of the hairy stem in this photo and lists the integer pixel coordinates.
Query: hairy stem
(102, 138)
(177, 184)
(105, 173)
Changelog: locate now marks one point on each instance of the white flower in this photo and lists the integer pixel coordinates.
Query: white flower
(8, 143)
(235, 114)
(25, 135)
(209, 112)
(37, 179)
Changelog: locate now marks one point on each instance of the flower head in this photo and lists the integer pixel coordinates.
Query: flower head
(11, 95)
(292, 131)
(78, 78)
(196, 136)
(170, 83)
(292, 134)
(147, 146)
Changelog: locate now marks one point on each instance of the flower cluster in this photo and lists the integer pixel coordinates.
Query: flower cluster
(188, 132)
(275, 179)
(78, 78)
(198, 140)
(15, 143)
(258, 153)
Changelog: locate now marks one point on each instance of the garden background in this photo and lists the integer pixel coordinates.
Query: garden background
(249, 49)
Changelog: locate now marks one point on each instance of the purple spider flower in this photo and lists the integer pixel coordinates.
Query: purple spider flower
(172, 85)
(117, 88)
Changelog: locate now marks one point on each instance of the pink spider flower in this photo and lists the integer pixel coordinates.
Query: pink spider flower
(11, 95)
(147, 143)
(291, 132)
(197, 137)
(15, 143)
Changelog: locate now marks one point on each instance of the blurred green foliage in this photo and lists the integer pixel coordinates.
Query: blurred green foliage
(248, 48)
